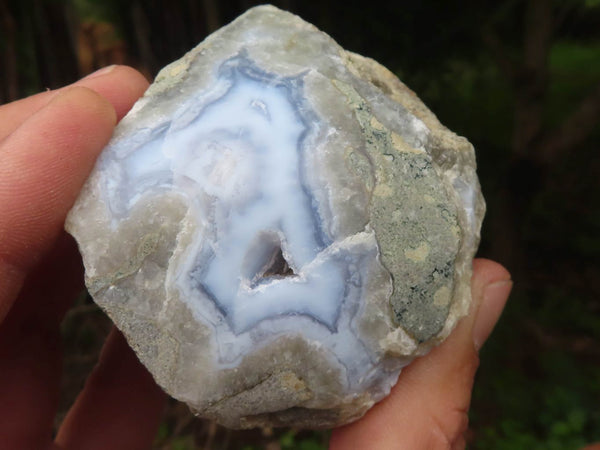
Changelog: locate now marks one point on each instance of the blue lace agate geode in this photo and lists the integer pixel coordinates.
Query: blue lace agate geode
(279, 226)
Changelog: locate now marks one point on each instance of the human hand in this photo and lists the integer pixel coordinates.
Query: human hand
(427, 409)
(48, 145)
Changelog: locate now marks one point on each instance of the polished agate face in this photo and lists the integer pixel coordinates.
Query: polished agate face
(278, 227)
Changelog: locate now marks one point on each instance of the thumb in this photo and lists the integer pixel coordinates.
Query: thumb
(427, 409)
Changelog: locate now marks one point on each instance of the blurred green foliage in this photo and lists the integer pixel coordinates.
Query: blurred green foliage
(575, 69)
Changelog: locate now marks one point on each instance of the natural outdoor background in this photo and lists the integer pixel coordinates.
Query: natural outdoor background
(519, 78)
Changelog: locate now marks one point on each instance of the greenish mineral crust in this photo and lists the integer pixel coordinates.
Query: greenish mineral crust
(415, 222)
(279, 226)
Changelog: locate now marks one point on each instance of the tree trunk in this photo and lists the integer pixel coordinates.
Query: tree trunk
(9, 63)
(523, 176)
(142, 38)
(211, 14)
(531, 81)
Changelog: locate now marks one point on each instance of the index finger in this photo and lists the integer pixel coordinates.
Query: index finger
(118, 84)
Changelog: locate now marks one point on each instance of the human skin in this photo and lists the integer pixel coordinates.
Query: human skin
(48, 145)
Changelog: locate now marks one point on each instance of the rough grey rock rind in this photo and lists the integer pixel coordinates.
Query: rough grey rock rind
(384, 176)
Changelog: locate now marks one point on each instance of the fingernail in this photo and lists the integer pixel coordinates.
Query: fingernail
(495, 296)
(101, 72)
